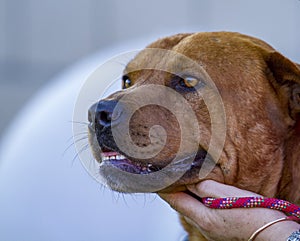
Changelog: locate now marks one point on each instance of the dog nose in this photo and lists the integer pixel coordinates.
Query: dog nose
(102, 114)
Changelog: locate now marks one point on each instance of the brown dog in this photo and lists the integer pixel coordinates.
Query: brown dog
(260, 93)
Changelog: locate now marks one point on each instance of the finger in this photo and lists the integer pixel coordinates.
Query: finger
(186, 205)
(210, 188)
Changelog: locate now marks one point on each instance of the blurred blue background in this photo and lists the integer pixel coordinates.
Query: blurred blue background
(38, 39)
(47, 48)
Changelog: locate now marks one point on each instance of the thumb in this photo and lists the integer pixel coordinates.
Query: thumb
(210, 188)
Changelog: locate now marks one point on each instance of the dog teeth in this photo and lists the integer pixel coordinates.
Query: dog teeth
(145, 168)
(120, 157)
(105, 158)
(113, 157)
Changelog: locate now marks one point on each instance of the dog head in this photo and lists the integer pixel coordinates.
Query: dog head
(222, 102)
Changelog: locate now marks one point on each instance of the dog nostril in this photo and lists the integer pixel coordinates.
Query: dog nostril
(105, 117)
(103, 114)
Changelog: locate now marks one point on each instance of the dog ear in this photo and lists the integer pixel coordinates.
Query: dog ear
(286, 81)
(285, 78)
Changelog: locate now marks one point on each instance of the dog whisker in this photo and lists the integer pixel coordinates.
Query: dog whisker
(73, 144)
(124, 64)
(77, 134)
(116, 196)
(124, 200)
(84, 148)
(80, 122)
(80, 139)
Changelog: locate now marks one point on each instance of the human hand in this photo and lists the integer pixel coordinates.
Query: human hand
(229, 224)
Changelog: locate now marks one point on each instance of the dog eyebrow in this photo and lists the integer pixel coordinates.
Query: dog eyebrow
(184, 64)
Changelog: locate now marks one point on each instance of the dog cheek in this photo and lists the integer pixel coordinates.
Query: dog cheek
(204, 123)
(148, 116)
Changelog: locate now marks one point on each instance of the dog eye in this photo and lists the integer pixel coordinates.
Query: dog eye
(187, 83)
(126, 82)
(190, 82)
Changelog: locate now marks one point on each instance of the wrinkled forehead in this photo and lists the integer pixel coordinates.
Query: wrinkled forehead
(168, 61)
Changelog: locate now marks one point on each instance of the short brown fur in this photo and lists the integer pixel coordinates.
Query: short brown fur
(260, 89)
